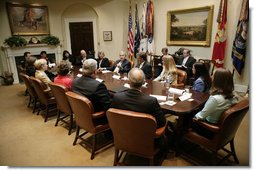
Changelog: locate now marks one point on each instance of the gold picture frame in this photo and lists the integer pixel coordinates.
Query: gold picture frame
(107, 35)
(190, 26)
(27, 19)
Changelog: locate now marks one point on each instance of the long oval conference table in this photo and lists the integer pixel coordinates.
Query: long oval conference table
(181, 108)
(185, 110)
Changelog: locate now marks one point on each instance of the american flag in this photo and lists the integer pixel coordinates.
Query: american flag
(130, 37)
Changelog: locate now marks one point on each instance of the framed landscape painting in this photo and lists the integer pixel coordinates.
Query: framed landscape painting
(190, 26)
(27, 19)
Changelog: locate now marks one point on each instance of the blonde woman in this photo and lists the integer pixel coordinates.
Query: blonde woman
(41, 66)
(169, 70)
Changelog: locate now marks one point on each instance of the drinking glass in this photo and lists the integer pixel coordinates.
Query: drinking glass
(171, 96)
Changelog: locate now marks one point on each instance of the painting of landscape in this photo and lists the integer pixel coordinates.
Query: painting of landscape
(190, 27)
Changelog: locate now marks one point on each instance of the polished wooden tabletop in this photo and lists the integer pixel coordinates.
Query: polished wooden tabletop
(156, 88)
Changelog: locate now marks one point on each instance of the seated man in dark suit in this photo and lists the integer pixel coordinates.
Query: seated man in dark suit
(122, 65)
(133, 99)
(144, 65)
(79, 60)
(94, 90)
(187, 61)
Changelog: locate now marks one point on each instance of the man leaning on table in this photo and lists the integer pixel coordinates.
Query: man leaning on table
(133, 99)
(89, 87)
(122, 65)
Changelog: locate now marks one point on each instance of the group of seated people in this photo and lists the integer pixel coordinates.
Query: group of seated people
(220, 87)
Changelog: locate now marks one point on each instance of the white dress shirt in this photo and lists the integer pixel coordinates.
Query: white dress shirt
(185, 60)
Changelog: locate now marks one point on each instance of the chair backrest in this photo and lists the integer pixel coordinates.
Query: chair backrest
(61, 98)
(38, 87)
(28, 84)
(83, 109)
(230, 120)
(133, 132)
(181, 76)
(208, 63)
(111, 62)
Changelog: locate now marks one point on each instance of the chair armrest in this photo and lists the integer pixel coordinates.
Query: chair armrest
(98, 114)
(47, 91)
(209, 126)
(160, 131)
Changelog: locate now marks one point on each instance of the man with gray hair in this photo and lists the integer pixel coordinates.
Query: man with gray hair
(122, 65)
(134, 100)
(94, 90)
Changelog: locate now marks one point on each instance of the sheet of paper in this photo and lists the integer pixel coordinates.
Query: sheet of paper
(145, 85)
(106, 71)
(51, 65)
(185, 96)
(100, 80)
(176, 91)
(79, 75)
(159, 97)
(116, 77)
(124, 78)
(170, 103)
(126, 85)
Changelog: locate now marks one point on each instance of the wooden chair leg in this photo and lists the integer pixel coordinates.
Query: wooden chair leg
(71, 124)
(94, 146)
(47, 112)
(30, 99)
(58, 117)
(116, 157)
(26, 92)
(34, 104)
(38, 112)
(77, 135)
(232, 146)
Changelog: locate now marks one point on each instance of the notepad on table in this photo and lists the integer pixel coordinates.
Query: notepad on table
(159, 97)
(185, 96)
(116, 77)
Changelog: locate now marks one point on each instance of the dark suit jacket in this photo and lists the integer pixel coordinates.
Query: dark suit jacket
(94, 90)
(189, 63)
(135, 100)
(126, 66)
(77, 61)
(147, 69)
(104, 63)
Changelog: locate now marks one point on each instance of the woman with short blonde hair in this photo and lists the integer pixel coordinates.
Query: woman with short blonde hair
(169, 70)
(41, 66)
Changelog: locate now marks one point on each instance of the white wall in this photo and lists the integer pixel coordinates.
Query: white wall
(161, 7)
(112, 15)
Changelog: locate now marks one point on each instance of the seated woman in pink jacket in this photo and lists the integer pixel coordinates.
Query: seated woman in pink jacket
(63, 76)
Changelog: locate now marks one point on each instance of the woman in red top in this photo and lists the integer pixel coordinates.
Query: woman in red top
(63, 76)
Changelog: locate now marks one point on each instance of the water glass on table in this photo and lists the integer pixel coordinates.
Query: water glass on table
(170, 96)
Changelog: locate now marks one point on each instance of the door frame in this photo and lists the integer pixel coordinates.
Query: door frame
(67, 21)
